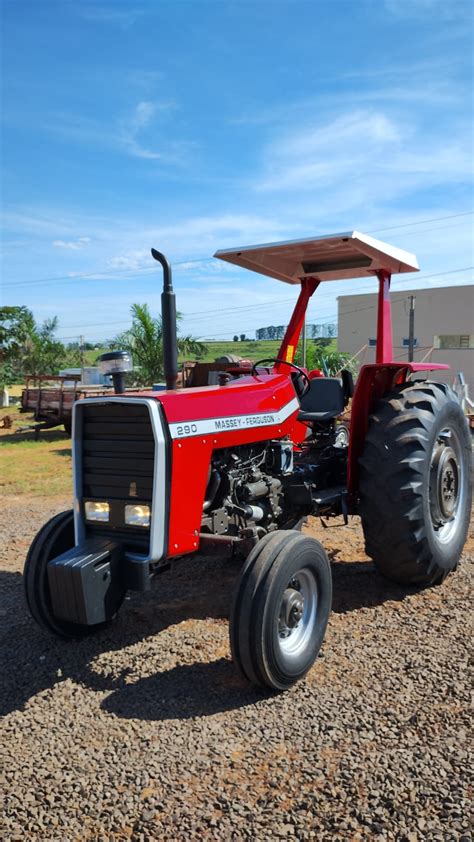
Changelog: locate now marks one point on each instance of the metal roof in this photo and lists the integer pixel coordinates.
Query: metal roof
(333, 257)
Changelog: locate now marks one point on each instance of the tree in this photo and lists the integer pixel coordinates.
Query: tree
(236, 338)
(144, 340)
(317, 356)
(43, 353)
(16, 324)
(242, 337)
(29, 348)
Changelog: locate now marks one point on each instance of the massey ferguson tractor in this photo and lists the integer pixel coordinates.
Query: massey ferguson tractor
(236, 468)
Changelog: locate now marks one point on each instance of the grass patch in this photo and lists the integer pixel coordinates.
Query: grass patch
(249, 349)
(38, 468)
(256, 350)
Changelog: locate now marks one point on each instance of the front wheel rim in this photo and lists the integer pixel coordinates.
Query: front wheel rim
(297, 614)
(447, 487)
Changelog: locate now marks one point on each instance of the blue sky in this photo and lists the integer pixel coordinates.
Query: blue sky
(192, 126)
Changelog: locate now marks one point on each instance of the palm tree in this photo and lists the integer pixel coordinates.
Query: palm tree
(144, 340)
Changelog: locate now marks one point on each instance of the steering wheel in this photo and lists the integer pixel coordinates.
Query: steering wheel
(301, 389)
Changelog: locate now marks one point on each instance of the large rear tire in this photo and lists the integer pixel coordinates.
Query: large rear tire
(54, 538)
(281, 609)
(415, 489)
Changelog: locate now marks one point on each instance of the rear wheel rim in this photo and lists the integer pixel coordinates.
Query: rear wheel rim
(447, 487)
(341, 437)
(297, 614)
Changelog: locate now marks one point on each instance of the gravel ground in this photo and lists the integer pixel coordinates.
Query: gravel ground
(146, 732)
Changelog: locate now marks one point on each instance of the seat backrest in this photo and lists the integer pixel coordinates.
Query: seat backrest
(347, 384)
(325, 395)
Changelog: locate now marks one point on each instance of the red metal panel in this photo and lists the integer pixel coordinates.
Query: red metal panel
(373, 382)
(290, 341)
(192, 452)
(384, 350)
(247, 395)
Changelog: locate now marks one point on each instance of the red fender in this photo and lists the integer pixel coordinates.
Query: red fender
(373, 383)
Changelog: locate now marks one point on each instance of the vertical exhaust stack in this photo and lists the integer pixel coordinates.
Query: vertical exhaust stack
(168, 321)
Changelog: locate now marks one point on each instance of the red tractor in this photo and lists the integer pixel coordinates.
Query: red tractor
(237, 467)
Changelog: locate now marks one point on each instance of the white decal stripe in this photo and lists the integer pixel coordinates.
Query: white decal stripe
(187, 429)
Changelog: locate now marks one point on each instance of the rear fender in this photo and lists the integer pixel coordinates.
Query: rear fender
(373, 383)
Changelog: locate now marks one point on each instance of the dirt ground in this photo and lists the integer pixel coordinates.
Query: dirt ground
(145, 731)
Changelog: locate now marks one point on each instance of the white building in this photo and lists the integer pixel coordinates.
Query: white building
(444, 328)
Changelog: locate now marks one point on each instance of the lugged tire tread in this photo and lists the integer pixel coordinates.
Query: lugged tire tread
(392, 483)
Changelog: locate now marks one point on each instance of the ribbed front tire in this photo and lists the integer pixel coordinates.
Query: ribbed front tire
(415, 489)
(281, 609)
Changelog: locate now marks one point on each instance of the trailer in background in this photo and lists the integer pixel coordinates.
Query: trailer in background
(51, 397)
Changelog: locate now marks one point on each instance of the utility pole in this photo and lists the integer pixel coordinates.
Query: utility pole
(81, 353)
(411, 328)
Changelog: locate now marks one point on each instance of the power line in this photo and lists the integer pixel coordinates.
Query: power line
(421, 222)
(113, 273)
(198, 312)
(346, 313)
(110, 273)
(231, 310)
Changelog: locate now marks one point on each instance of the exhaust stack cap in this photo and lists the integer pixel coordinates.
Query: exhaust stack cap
(168, 321)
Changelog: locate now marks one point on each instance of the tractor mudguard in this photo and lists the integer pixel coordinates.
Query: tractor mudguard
(374, 381)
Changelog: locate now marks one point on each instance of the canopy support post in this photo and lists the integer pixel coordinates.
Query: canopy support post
(290, 340)
(384, 348)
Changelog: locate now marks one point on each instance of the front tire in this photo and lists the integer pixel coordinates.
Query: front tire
(281, 609)
(415, 490)
(55, 537)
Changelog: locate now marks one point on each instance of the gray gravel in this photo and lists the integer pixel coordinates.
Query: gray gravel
(145, 731)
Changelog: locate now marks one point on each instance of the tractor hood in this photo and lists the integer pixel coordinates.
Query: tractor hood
(247, 403)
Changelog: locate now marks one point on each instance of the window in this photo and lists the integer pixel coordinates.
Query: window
(449, 342)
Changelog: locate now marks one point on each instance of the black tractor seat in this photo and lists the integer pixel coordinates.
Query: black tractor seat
(325, 399)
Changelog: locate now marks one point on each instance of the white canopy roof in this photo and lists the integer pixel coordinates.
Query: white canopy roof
(334, 257)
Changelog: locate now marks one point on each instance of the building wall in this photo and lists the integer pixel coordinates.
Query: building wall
(447, 311)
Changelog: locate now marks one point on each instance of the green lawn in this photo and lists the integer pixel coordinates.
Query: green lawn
(253, 350)
(38, 468)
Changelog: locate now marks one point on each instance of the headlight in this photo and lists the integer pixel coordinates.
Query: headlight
(97, 511)
(137, 515)
(114, 362)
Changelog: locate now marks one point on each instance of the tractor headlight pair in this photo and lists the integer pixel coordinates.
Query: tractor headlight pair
(135, 515)
(97, 512)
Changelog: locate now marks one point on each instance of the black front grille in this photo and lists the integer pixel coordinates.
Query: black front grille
(118, 452)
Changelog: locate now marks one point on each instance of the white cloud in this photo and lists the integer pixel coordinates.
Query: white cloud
(72, 244)
(365, 156)
(110, 14)
(123, 134)
(144, 114)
